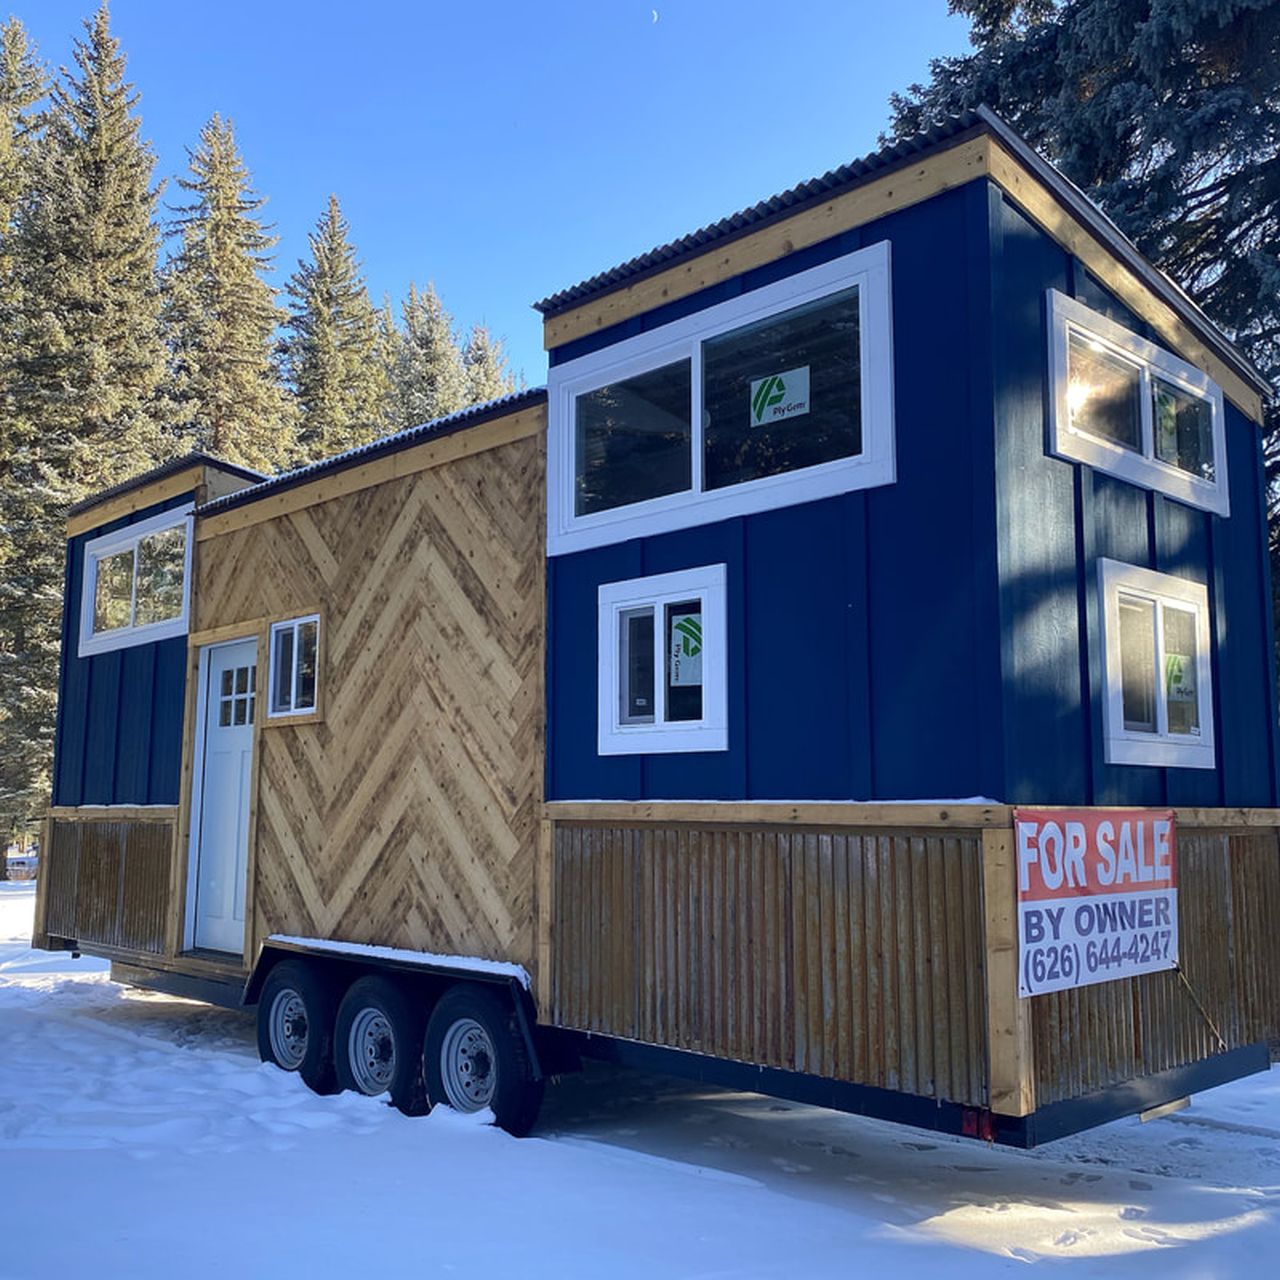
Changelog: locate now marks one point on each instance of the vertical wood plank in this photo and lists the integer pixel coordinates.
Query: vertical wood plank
(1008, 1051)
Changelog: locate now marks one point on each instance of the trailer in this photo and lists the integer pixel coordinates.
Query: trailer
(851, 679)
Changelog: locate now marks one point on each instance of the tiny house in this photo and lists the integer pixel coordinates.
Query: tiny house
(852, 679)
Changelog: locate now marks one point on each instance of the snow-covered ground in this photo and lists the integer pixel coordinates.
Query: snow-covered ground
(140, 1136)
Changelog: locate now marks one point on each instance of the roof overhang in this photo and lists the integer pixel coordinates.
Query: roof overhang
(976, 145)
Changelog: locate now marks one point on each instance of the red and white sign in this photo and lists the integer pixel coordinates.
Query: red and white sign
(1097, 895)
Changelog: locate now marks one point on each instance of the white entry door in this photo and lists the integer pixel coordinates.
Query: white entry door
(230, 694)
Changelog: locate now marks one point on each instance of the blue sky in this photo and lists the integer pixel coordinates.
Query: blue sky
(508, 149)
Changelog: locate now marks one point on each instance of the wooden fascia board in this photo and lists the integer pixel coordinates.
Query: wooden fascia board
(960, 816)
(933, 175)
(392, 466)
(147, 495)
(1048, 213)
(979, 157)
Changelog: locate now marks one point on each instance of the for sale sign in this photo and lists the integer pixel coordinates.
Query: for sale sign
(1097, 896)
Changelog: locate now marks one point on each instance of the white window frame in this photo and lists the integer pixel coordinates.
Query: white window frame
(711, 733)
(112, 544)
(291, 624)
(867, 268)
(1066, 315)
(1162, 748)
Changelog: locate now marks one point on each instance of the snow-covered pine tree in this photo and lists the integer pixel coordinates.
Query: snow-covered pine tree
(430, 380)
(333, 345)
(22, 777)
(220, 314)
(485, 362)
(86, 364)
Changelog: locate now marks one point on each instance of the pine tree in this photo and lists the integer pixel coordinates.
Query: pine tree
(23, 761)
(430, 380)
(221, 315)
(1167, 112)
(332, 350)
(85, 370)
(488, 376)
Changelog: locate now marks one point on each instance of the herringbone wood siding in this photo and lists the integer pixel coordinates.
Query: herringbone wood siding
(407, 815)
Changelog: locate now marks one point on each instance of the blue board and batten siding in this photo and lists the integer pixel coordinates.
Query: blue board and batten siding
(933, 637)
(860, 659)
(1057, 518)
(119, 733)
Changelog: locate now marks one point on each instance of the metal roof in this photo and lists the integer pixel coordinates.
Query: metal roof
(463, 420)
(162, 472)
(897, 154)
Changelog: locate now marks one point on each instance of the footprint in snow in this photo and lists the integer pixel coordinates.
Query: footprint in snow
(1130, 1212)
(1068, 1238)
(919, 1146)
(1152, 1235)
(1136, 1184)
(1024, 1255)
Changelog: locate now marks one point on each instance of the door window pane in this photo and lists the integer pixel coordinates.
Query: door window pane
(636, 665)
(1183, 429)
(113, 592)
(632, 439)
(684, 660)
(784, 393)
(1104, 394)
(282, 670)
(1180, 670)
(1138, 664)
(161, 563)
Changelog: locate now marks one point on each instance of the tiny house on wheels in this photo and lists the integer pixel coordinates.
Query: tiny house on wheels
(610, 719)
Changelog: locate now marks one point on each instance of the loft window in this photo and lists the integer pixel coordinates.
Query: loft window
(295, 653)
(136, 584)
(781, 395)
(663, 668)
(1157, 692)
(1125, 406)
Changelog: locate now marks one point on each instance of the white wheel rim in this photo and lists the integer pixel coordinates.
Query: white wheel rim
(468, 1066)
(287, 1028)
(371, 1051)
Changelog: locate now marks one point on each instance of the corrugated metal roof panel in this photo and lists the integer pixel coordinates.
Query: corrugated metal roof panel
(472, 416)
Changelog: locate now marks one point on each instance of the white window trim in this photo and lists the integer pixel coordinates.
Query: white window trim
(110, 544)
(1124, 746)
(711, 733)
(291, 624)
(868, 268)
(1145, 470)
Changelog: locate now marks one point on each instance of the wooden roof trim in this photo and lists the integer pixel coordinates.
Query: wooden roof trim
(148, 495)
(940, 171)
(431, 453)
(1048, 213)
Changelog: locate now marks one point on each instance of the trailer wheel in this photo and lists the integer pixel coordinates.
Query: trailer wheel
(295, 1024)
(474, 1057)
(376, 1040)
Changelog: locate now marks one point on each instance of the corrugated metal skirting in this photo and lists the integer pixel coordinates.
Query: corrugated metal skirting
(856, 957)
(108, 882)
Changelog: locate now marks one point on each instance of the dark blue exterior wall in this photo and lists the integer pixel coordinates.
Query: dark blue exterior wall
(119, 733)
(861, 656)
(939, 637)
(1057, 518)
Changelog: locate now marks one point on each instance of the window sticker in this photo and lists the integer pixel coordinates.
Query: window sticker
(686, 649)
(780, 396)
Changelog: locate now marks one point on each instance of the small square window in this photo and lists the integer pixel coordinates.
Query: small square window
(663, 668)
(295, 649)
(1123, 405)
(1157, 698)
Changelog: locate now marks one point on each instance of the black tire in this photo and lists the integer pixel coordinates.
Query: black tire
(376, 1044)
(295, 992)
(478, 1033)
